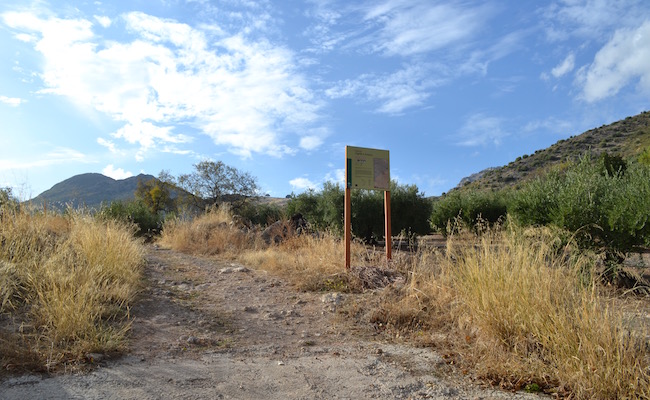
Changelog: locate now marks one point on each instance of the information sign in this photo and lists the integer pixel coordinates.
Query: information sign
(367, 168)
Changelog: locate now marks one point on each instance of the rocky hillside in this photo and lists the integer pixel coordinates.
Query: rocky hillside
(89, 190)
(627, 138)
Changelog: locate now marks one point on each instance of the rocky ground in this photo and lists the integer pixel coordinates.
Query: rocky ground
(211, 329)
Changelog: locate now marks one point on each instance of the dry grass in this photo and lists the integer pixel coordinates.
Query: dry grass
(65, 286)
(511, 306)
(519, 311)
(309, 263)
(215, 232)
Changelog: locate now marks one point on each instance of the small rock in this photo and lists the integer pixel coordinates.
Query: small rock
(95, 358)
(225, 270)
(193, 340)
(280, 362)
(335, 298)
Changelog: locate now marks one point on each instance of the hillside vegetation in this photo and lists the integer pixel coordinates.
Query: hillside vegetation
(628, 138)
(88, 191)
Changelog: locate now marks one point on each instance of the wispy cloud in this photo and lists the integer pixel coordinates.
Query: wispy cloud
(246, 95)
(57, 156)
(430, 42)
(412, 27)
(395, 92)
(11, 101)
(481, 129)
(565, 67)
(588, 19)
(623, 60)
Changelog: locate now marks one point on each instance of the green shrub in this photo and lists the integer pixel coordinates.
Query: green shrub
(606, 210)
(261, 214)
(471, 207)
(135, 212)
(324, 210)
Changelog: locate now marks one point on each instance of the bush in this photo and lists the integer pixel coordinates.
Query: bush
(261, 214)
(324, 210)
(133, 212)
(471, 207)
(607, 210)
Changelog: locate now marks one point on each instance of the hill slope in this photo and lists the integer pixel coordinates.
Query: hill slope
(627, 138)
(90, 190)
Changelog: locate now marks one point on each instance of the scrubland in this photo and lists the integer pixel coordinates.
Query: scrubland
(515, 306)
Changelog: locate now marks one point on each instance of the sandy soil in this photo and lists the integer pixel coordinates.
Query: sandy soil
(210, 329)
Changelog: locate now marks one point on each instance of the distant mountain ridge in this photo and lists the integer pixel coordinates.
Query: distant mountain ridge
(627, 138)
(89, 190)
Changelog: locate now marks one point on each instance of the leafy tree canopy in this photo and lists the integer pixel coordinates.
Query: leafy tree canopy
(216, 182)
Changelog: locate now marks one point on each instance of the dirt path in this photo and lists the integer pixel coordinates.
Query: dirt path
(209, 329)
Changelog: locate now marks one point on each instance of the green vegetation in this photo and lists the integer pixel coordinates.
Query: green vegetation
(604, 202)
(410, 210)
(135, 212)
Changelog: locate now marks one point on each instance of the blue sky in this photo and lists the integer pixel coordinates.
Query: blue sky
(279, 88)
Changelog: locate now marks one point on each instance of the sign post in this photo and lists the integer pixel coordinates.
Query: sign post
(366, 169)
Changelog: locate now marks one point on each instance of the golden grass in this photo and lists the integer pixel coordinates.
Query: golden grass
(215, 232)
(65, 286)
(310, 263)
(521, 311)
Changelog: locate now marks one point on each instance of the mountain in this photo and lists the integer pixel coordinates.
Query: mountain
(89, 190)
(626, 138)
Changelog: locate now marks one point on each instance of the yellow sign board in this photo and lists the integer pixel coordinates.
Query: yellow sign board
(367, 168)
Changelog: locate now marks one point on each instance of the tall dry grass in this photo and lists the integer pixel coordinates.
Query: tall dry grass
(522, 311)
(66, 283)
(213, 233)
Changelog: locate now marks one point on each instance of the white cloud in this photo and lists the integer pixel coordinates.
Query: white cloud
(114, 173)
(59, 155)
(11, 101)
(108, 144)
(311, 142)
(481, 129)
(409, 28)
(103, 20)
(564, 67)
(588, 19)
(407, 88)
(624, 59)
(336, 176)
(302, 184)
(246, 95)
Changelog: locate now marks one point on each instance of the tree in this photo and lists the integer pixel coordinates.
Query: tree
(155, 194)
(7, 200)
(216, 182)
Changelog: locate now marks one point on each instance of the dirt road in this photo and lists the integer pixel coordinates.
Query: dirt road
(209, 329)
